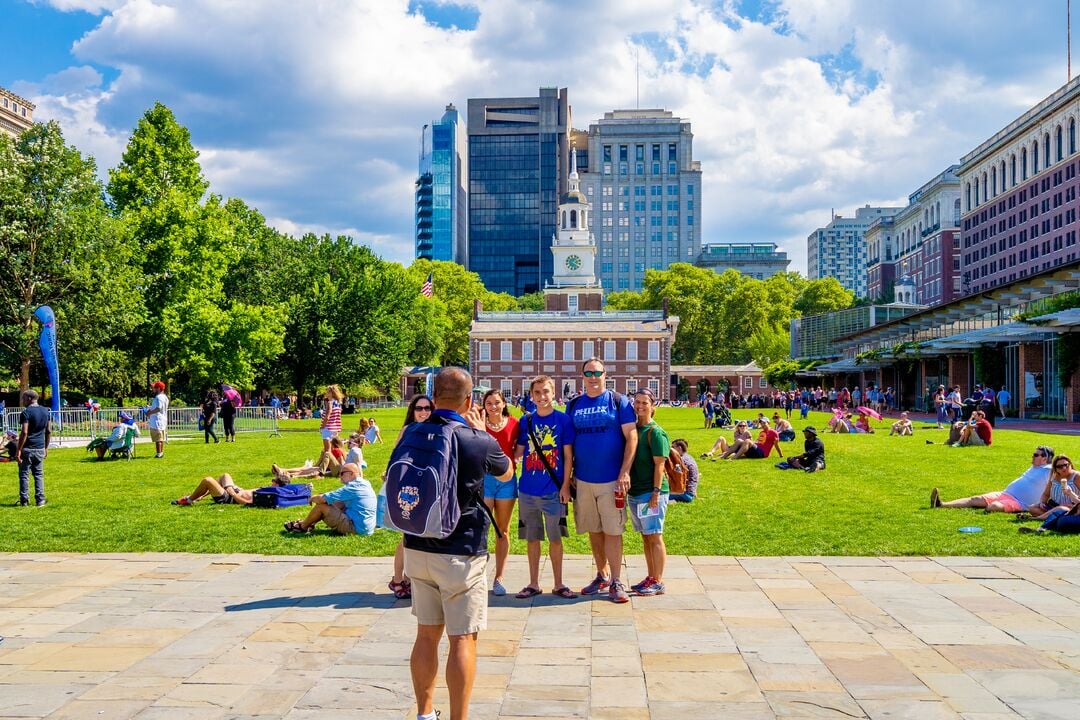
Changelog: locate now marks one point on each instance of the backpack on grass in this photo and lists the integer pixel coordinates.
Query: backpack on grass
(282, 496)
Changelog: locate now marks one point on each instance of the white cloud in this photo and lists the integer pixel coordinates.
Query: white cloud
(311, 111)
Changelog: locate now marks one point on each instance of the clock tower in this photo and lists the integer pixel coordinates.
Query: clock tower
(574, 286)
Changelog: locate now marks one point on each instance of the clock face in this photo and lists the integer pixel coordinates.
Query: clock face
(573, 262)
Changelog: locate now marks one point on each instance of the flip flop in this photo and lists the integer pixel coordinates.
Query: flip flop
(564, 592)
(527, 592)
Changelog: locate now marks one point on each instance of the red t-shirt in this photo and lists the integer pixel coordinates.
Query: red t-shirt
(771, 438)
(507, 437)
(984, 430)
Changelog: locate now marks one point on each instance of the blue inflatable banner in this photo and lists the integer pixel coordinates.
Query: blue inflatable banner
(47, 343)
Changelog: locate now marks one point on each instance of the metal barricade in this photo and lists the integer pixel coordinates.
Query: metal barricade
(69, 425)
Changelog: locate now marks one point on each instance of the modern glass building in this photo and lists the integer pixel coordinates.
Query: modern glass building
(518, 160)
(645, 189)
(441, 199)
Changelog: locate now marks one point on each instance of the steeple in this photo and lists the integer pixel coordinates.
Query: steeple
(574, 286)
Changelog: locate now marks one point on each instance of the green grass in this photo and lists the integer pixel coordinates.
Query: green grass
(872, 499)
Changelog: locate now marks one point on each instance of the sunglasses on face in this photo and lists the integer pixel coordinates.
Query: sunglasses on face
(423, 408)
(1038, 455)
(593, 373)
(1059, 466)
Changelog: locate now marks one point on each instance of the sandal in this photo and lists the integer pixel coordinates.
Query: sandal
(564, 592)
(296, 526)
(528, 592)
(402, 590)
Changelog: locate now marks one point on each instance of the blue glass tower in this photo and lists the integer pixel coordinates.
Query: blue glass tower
(441, 199)
(518, 159)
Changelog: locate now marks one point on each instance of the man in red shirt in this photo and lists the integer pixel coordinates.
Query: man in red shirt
(767, 440)
(977, 431)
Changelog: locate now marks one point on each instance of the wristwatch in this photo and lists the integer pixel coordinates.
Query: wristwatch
(656, 490)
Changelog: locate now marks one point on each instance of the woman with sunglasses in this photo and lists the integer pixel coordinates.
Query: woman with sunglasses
(419, 410)
(500, 496)
(742, 434)
(1062, 490)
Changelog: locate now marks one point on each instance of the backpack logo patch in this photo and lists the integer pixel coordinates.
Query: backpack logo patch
(407, 499)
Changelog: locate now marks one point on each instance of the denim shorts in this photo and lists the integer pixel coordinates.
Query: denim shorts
(652, 525)
(493, 489)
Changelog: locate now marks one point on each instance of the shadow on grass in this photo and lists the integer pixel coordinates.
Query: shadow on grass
(342, 601)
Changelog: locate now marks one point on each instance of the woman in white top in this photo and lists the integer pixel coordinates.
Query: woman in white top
(1062, 490)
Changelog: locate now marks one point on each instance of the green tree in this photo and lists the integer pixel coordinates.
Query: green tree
(769, 344)
(781, 373)
(61, 249)
(531, 302)
(823, 296)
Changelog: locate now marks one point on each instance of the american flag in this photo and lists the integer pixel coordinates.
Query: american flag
(428, 288)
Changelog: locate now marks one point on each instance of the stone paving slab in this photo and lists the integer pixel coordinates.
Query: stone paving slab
(209, 637)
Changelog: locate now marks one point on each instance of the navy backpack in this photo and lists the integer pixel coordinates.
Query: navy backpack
(282, 496)
(421, 482)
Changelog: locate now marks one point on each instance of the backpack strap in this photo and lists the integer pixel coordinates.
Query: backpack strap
(540, 452)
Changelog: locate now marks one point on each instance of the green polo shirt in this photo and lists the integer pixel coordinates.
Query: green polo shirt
(653, 442)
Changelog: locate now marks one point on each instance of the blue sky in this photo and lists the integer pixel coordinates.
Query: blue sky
(310, 111)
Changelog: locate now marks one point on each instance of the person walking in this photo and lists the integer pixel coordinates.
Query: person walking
(210, 413)
(157, 418)
(605, 440)
(228, 419)
(449, 581)
(32, 447)
(649, 492)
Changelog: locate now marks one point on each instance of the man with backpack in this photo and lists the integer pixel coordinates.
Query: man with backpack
(446, 564)
(605, 440)
(649, 491)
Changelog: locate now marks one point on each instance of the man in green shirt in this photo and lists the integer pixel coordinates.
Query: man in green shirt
(648, 497)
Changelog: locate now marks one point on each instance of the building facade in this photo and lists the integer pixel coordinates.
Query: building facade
(1020, 196)
(927, 237)
(756, 260)
(880, 260)
(442, 220)
(517, 167)
(645, 187)
(16, 113)
(839, 249)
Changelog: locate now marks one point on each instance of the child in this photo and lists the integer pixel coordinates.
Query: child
(356, 454)
(902, 426)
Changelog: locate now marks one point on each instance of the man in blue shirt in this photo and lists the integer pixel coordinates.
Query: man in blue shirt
(349, 510)
(605, 442)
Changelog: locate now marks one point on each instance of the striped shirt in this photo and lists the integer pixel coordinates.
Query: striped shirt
(1057, 496)
(332, 419)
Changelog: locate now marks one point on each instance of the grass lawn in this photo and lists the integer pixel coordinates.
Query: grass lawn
(871, 500)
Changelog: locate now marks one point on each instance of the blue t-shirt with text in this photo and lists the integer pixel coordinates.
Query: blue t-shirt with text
(553, 432)
(599, 445)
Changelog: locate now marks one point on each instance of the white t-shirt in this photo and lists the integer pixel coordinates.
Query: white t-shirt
(1028, 488)
(160, 419)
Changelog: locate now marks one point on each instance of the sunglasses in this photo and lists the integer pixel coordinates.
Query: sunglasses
(423, 408)
(1059, 466)
(594, 373)
(1038, 455)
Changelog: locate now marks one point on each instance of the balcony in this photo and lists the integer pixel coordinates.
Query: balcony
(931, 230)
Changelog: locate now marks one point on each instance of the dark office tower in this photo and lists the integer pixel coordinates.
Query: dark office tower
(518, 160)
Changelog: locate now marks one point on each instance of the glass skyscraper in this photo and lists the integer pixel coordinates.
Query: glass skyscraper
(518, 159)
(441, 199)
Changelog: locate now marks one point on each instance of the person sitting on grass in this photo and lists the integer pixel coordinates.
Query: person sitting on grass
(976, 431)
(692, 473)
(373, 434)
(840, 423)
(1060, 520)
(330, 465)
(1062, 491)
(862, 424)
(742, 432)
(902, 426)
(11, 445)
(1021, 493)
(813, 456)
(355, 455)
(116, 438)
(223, 491)
(348, 510)
(767, 441)
(783, 428)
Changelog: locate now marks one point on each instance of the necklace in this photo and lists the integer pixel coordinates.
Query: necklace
(499, 426)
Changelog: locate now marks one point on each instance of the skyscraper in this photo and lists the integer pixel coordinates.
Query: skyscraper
(518, 160)
(839, 249)
(441, 199)
(645, 188)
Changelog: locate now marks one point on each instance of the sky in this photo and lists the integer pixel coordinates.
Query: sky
(311, 111)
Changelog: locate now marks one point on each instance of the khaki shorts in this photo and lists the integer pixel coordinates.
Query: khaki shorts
(336, 519)
(595, 511)
(448, 590)
(157, 435)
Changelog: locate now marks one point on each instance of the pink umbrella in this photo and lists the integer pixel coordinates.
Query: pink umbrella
(867, 411)
(231, 395)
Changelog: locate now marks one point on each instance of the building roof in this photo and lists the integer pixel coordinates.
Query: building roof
(749, 368)
(582, 324)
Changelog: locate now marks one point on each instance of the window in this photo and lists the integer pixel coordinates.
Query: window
(654, 385)
(484, 351)
(568, 348)
(1059, 144)
(1035, 157)
(506, 350)
(507, 387)
(587, 350)
(631, 349)
(609, 350)
(1012, 171)
(748, 382)
(1046, 150)
(549, 350)
(527, 351)
(631, 386)
(1023, 164)
(763, 383)
(1072, 135)
(609, 384)
(654, 350)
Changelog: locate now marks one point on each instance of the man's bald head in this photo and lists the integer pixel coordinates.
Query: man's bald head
(453, 387)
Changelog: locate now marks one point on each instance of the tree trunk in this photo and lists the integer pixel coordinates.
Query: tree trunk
(24, 375)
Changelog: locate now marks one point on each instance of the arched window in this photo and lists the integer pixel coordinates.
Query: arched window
(1046, 150)
(1023, 164)
(573, 219)
(956, 213)
(564, 219)
(1003, 176)
(1035, 158)
(993, 180)
(1012, 171)
(976, 192)
(1059, 145)
(584, 221)
(967, 196)
(937, 214)
(985, 195)
(1072, 135)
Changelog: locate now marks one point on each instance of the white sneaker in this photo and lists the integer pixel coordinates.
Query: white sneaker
(160, 455)
(308, 463)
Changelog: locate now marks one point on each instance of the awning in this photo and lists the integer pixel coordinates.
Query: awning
(1010, 332)
(847, 365)
(1061, 320)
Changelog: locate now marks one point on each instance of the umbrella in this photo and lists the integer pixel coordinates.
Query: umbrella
(867, 411)
(231, 395)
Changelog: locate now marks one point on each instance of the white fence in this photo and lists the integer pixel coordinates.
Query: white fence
(73, 425)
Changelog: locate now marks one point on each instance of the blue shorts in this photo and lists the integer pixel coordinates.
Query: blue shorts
(495, 490)
(652, 525)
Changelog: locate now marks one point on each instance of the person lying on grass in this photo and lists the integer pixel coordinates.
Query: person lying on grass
(330, 464)
(223, 491)
(742, 432)
(1018, 495)
(348, 510)
(902, 426)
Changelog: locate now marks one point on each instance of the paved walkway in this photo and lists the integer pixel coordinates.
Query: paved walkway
(240, 636)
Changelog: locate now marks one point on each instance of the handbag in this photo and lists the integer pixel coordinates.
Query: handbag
(543, 458)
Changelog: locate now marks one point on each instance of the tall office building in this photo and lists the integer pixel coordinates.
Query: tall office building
(441, 200)
(16, 113)
(839, 249)
(645, 188)
(518, 160)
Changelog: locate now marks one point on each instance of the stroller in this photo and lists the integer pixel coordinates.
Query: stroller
(722, 416)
